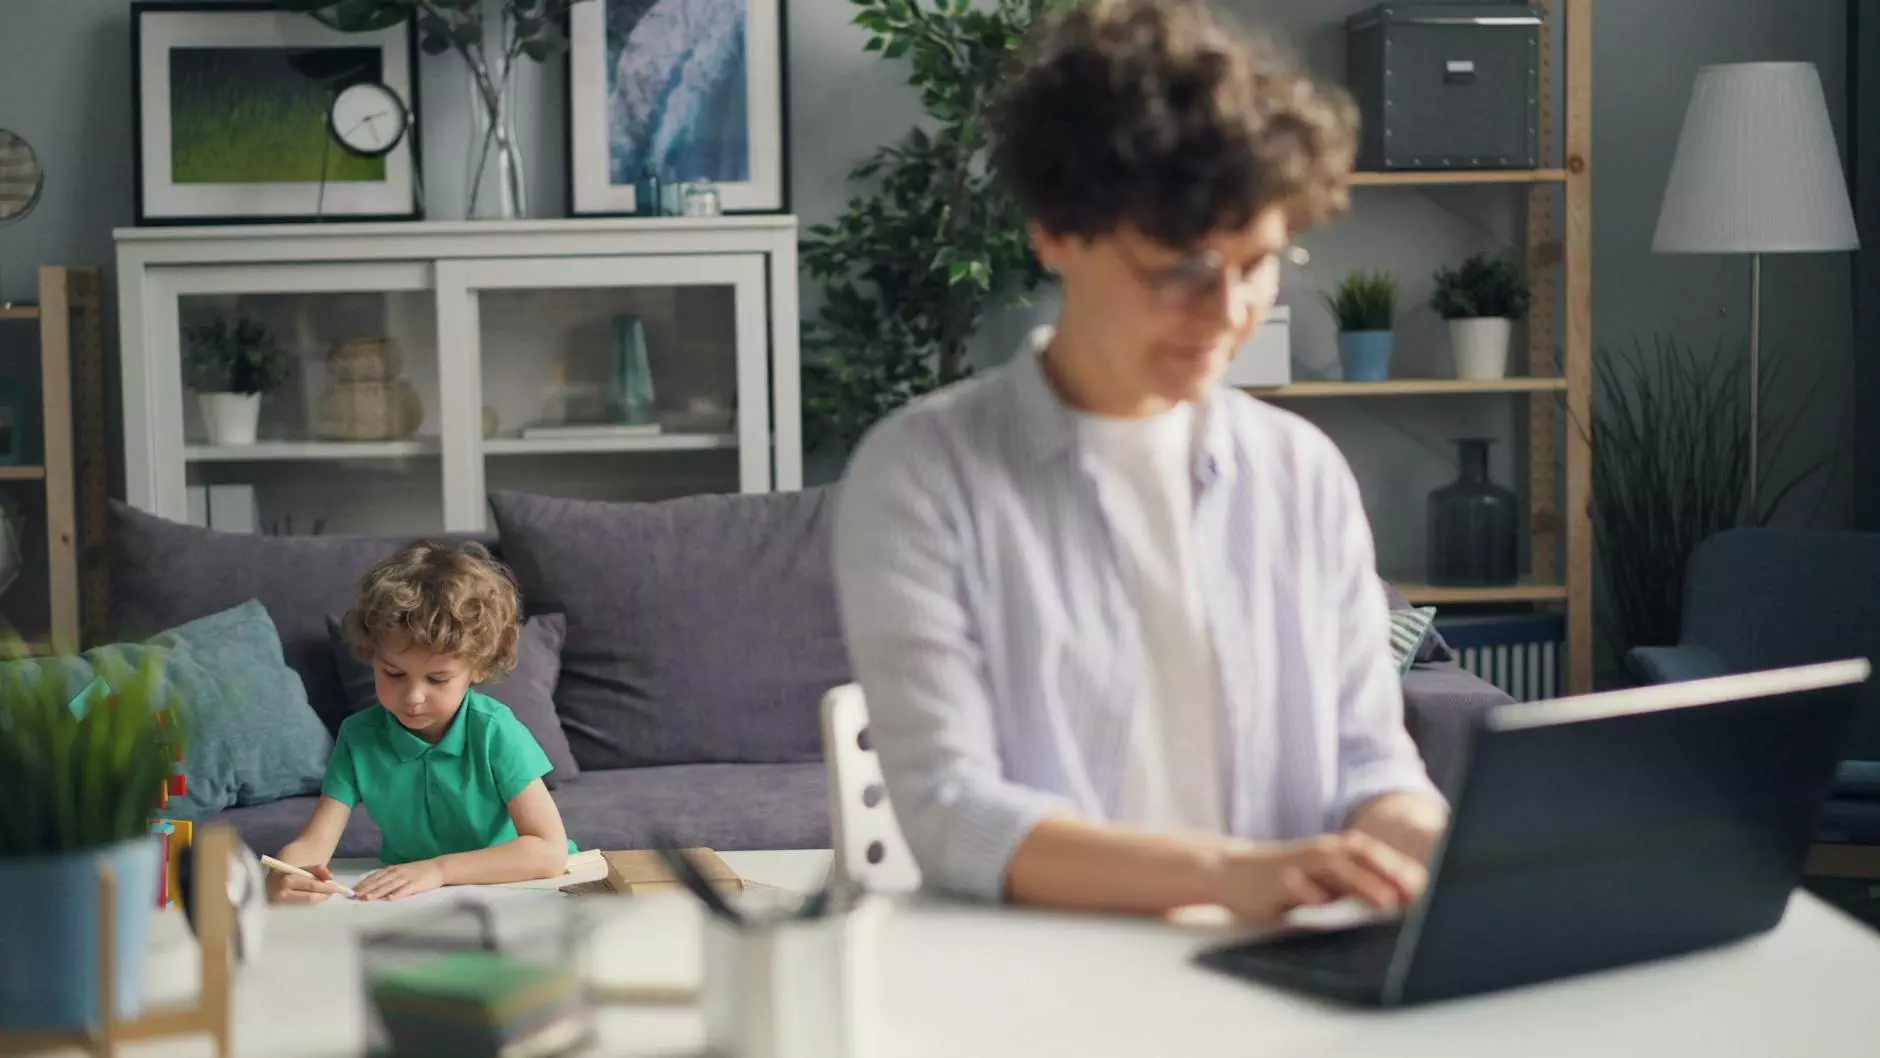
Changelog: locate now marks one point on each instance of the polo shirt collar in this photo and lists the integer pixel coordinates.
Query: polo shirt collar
(410, 747)
(1047, 427)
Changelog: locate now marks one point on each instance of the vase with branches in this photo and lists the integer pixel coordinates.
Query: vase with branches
(530, 29)
(1671, 429)
(931, 242)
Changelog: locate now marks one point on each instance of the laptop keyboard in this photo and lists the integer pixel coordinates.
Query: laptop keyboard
(1359, 955)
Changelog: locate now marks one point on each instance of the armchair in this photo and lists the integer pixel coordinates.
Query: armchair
(1766, 598)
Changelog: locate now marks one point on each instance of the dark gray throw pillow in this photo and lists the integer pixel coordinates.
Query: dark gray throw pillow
(701, 629)
(529, 691)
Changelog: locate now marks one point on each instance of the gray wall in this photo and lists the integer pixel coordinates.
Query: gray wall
(64, 84)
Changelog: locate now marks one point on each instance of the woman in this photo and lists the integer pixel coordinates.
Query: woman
(1119, 628)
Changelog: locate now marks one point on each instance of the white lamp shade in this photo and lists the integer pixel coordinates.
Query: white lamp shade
(1757, 170)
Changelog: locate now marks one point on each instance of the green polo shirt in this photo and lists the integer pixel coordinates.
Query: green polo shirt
(433, 800)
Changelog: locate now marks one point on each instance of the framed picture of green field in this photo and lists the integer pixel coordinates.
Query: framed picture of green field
(233, 103)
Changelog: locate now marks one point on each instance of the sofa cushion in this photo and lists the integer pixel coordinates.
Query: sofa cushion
(1408, 631)
(164, 574)
(528, 691)
(250, 736)
(1434, 647)
(701, 629)
(720, 806)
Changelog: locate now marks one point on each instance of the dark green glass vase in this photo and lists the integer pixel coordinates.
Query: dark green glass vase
(1473, 524)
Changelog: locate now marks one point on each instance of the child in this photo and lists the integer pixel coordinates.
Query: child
(453, 779)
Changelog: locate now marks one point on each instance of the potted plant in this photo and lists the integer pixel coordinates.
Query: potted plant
(83, 775)
(1365, 307)
(894, 323)
(1481, 300)
(230, 366)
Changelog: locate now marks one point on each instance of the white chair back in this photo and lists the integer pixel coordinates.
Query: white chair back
(869, 847)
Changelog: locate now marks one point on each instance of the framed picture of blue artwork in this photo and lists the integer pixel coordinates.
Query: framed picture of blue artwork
(665, 91)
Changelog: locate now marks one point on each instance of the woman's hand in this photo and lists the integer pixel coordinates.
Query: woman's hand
(293, 889)
(1260, 883)
(403, 880)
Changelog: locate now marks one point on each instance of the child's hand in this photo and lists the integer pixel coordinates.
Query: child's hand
(293, 889)
(396, 883)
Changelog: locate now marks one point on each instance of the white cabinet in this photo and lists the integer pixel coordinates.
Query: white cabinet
(515, 326)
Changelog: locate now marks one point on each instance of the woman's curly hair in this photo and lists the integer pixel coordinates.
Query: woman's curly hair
(446, 598)
(1156, 115)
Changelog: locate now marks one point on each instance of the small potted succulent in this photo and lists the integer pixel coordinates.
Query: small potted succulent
(1481, 300)
(229, 366)
(85, 761)
(1365, 307)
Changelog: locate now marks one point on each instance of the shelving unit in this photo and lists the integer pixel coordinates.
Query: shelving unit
(71, 467)
(1411, 387)
(514, 321)
(1560, 354)
(1429, 178)
(1528, 590)
(666, 442)
(266, 451)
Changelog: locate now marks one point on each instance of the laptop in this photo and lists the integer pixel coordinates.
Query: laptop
(1596, 832)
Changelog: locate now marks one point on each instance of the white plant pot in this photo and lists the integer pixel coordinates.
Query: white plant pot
(230, 417)
(1481, 346)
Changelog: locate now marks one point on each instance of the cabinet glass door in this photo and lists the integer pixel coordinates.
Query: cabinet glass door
(342, 435)
(618, 378)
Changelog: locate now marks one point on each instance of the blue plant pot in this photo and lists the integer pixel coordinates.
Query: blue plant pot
(49, 917)
(1365, 355)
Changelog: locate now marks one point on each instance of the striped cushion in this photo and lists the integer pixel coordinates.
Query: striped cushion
(1407, 631)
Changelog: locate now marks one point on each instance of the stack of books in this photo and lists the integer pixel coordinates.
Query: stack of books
(479, 1004)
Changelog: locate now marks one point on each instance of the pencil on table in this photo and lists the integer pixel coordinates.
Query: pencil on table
(273, 864)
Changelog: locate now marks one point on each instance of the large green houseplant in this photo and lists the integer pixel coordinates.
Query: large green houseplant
(930, 242)
(83, 766)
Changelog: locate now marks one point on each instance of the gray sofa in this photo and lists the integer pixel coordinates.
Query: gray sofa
(701, 634)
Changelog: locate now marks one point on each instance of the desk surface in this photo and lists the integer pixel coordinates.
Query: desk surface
(961, 981)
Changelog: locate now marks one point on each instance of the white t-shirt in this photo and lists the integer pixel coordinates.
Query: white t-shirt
(1174, 774)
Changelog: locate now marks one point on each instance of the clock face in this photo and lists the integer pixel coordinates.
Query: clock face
(368, 119)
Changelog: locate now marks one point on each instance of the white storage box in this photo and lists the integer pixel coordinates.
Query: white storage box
(1265, 360)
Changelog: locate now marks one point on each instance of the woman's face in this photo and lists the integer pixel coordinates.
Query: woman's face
(1152, 325)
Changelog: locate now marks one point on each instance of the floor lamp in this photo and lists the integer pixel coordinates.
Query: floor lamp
(1756, 172)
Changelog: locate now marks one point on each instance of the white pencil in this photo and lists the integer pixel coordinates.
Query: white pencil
(273, 864)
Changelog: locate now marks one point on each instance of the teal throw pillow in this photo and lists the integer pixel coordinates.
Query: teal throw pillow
(251, 736)
(1408, 629)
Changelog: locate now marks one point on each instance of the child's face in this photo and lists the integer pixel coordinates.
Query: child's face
(423, 690)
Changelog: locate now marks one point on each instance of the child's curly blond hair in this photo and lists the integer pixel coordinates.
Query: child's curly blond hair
(446, 598)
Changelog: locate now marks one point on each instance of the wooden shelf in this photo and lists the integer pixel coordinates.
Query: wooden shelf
(664, 442)
(22, 473)
(1413, 387)
(266, 451)
(1432, 177)
(19, 312)
(1524, 591)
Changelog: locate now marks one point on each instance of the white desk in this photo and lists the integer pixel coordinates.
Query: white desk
(965, 982)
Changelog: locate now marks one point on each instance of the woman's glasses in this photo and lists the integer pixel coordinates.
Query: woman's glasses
(1195, 281)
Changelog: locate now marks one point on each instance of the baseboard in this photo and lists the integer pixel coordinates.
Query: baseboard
(1844, 861)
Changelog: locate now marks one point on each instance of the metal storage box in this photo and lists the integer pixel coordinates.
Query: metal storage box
(1447, 86)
